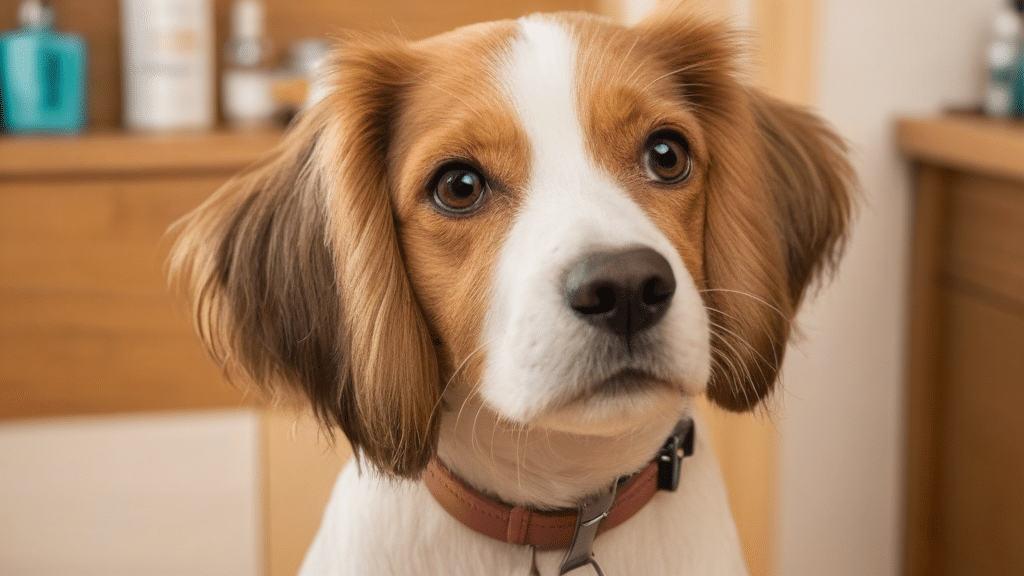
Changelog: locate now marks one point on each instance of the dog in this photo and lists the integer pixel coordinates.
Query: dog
(503, 261)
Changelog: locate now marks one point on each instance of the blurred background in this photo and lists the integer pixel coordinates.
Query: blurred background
(894, 444)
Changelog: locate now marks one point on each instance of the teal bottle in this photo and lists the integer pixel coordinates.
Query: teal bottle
(42, 76)
(1019, 91)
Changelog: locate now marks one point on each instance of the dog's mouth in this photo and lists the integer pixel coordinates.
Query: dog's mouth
(625, 401)
(629, 381)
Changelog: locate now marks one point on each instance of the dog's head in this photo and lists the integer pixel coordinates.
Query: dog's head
(580, 224)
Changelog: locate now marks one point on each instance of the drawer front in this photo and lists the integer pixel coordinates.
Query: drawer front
(88, 324)
(981, 444)
(986, 242)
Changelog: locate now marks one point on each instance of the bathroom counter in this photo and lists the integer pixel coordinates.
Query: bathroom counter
(970, 143)
(88, 323)
(98, 153)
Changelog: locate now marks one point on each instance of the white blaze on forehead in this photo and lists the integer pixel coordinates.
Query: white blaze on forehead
(540, 80)
(538, 351)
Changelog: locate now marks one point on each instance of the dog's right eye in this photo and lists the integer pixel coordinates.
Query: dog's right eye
(458, 189)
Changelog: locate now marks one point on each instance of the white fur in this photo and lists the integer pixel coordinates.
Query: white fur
(539, 357)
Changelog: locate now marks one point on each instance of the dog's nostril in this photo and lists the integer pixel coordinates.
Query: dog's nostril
(599, 300)
(622, 292)
(656, 290)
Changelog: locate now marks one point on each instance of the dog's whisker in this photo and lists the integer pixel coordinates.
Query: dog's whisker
(456, 372)
(739, 339)
(767, 333)
(732, 365)
(462, 408)
(494, 430)
(756, 298)
(474, 440)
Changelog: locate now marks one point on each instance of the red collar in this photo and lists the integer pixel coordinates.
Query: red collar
(549, 530)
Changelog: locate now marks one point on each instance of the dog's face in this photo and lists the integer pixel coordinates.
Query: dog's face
(551, 224)
(579, 225)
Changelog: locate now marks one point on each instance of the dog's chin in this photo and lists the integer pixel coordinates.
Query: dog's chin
(620, 405)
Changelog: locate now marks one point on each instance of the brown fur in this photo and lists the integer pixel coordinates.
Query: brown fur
(296, 275)
(324, 268)
(456, 113)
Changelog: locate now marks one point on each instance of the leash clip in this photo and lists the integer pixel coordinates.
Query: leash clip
(590, 513)
(588, 519)
(678, 446)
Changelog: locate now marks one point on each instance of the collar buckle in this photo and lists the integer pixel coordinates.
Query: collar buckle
(678, 446)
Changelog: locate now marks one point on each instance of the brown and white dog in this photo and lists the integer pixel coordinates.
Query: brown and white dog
(516, 252)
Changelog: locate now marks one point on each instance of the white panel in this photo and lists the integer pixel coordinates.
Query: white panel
(154, 495)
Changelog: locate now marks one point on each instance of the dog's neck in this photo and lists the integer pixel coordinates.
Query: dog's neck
(538, 467)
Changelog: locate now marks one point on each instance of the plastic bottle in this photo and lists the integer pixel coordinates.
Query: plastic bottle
(1019, 89)
(42, 75)
(168, 64)
(246, 89)
(1002, 59)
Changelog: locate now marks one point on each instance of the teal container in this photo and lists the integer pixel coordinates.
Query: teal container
(1018, 91)
(42, 76)
(1018, 87)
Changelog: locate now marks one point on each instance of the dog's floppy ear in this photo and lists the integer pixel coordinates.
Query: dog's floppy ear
(296, 279)
(778, 199)
(769, 235)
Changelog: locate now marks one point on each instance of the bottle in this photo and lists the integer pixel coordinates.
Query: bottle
(1002, 59)
(168, 64)
(1019, 89)
(246, 90)
(42, 75)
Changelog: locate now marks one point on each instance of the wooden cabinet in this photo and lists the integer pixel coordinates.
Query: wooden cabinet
(88, 323)
(965, 450)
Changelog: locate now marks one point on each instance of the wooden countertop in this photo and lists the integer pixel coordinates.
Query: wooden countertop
(127, 153)
(972, 143)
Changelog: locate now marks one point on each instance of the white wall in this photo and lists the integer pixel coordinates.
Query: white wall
(842, 423)
(141, 495)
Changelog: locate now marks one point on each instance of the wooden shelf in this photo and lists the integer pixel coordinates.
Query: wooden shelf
(126, 153)
(971, 143)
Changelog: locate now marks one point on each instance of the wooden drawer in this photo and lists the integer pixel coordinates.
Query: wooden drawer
(88, 324)
(986, 227)
(980, 448)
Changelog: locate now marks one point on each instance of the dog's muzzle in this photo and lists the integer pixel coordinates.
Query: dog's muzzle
(623, 292)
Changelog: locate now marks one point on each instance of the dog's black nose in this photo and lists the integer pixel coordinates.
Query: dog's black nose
(622, 292)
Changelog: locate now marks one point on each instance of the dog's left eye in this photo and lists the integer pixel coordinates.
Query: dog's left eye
(667, 157)
(458, 189)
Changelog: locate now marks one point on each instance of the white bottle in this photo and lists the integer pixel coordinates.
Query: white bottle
(1001, 62)
(246, 94)
(168, 64)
